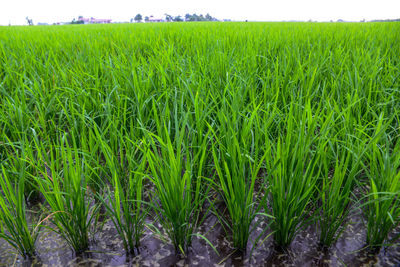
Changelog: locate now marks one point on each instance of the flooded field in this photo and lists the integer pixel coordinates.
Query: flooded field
(106, 250)
(200, 144)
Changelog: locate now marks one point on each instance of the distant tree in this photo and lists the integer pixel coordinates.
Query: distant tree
(131, 20)
(208, 17)
(195, 17)
(138, 18)
(79, 21)
(168, 18)
(188, 17)
(29, 21)
(146, 19)
(177, 18)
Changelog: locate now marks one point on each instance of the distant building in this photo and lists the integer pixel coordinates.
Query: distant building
(153, 19)
(93, 20)
(85, 20)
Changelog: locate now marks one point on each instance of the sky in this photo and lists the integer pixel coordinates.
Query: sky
(14, 12)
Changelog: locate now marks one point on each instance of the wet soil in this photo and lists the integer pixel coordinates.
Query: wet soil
(107, 250)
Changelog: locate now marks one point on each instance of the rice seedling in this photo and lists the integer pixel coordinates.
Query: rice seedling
(63, 183)
(338, 182)
(15, 227)
(293, 176)
(382, 208)
(341, 159)
(179, 192)
(124, 200)
(91, 146)
(18, 158)
(238, 159)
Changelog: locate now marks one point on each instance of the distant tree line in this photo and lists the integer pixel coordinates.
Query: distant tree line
(167, 18)
(195, 17)
(385, 20)
(78, 21)
(170, 18)
(74, 21)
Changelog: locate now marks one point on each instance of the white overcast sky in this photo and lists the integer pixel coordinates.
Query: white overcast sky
(14, 11)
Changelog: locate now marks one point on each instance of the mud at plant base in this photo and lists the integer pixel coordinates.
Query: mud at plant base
(107, 250)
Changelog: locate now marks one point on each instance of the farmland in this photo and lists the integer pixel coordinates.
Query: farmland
(173, 143)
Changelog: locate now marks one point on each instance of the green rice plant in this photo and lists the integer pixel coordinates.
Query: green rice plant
(124, 200)
(238, 159)
(382, 209)
(341, 153)
(15, 228)
(179, 193)
(338, 182)
(63, 183)
(199, 133)
(91, 147)
(293, 175)
(18, 156)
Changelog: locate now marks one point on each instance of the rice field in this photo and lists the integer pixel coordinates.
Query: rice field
(200, 143)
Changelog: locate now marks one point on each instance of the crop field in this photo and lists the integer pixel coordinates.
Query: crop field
(172, 144)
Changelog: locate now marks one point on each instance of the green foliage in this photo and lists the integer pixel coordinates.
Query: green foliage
(63, 183)
(340, 169)
(238, 158)
(179, 191)
(195, 17)
(124, 199)
(293, 175)
(138, 18)
(285, 119)
(382, 209)
(15, 228)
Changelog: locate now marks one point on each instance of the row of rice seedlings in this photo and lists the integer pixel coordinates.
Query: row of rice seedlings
(343, 163)
(125, 207)
(97, 80)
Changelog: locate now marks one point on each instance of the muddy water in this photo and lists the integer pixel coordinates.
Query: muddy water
(107, 250)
